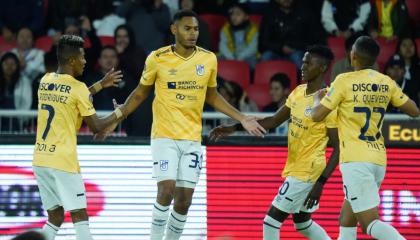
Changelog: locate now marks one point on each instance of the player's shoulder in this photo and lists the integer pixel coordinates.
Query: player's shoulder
(300, 89)
(204, 51)
(162, 52)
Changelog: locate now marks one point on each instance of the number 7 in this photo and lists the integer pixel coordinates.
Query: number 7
(51, 114)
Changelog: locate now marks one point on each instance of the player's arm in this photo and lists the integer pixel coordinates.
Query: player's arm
(97, 124)
(410, 108)
(316, 192)
(214, 99)
(137, 96)
(111, 79)
(270, 122)
(319, 111)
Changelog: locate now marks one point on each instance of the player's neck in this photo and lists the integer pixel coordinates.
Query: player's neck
(182, 51)
(313, 86)
(65, 70)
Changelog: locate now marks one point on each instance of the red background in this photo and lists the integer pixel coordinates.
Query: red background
(242, 181)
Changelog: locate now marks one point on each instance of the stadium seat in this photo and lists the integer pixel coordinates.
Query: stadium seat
(413, 10)
(418, 46)
(5, 46)
(235, 71)
(337, 46)
(265, 70)
(387, 50)
(44, 43)
(106, 40)
(255, 18)
(215, 23)
(259, 93)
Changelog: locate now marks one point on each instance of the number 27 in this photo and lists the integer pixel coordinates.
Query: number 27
(365, 128)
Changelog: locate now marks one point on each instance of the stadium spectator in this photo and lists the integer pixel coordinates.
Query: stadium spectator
(237, 97)
(395, 69)
(284, 32)
(15, 87)
(239, 37)
(388, 19)
(106, 25)
(204, 39)
(149, 19)
(407, 49)
(279, 91)
(343, 18)
(131, 57)
(16, 14)
(343, 65)
(30, 235)
(31, 59)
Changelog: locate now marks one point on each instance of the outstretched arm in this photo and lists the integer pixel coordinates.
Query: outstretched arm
(315, 194)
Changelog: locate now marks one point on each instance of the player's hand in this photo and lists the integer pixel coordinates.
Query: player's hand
(112, 78)
(314, 195)
(220, 132)
(251, 125)
(319, 96)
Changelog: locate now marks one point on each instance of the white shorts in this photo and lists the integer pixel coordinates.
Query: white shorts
(292, 195)
(59, 188)
(179, 160)
(361, 183)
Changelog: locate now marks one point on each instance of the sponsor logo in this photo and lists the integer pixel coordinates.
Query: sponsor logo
(164, 165)
(172, 72)
(199, 68)
(171, 85)
(404, 134)
(180, 96)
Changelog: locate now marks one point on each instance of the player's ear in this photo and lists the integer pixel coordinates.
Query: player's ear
(173, 28)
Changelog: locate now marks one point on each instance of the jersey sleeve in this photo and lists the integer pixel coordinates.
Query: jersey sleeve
(148, 76)
(334, 95)
(289, 99)
(213, 76)
(398, 98)
(331, 119)
(84, 103)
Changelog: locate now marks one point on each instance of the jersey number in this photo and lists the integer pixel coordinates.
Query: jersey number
(51, 114)
(365, 128)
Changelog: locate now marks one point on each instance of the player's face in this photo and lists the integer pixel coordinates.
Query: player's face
(78, 63)
(186, 31)
(311, 67)
(108, 59)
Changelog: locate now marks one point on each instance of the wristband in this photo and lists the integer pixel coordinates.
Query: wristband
(118, 113)
(322, 180)
(97, 86)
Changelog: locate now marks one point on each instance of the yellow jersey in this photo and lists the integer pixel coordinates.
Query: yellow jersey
(361, 99)
(180, 91)
(307, 140)
(63, 101)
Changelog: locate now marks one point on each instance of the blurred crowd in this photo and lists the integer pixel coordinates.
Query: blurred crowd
(267, 36)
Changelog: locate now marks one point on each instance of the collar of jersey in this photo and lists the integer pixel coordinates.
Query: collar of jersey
(185, 59)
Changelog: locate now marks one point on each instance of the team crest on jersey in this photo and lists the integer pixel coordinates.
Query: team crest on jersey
(199, 68)
(308, 111)
(164, 165)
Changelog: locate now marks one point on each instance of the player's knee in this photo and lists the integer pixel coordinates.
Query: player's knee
(165, 195)
(79, 215)
(183, 204)
(301, 217)
(56, 216)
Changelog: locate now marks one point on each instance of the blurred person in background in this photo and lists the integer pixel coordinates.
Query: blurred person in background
(344, 18)
(16, 14)
(395, 69)
(279, 91)
(106, 24)
(237, 97)
(407, 49)
(388, 19)
(284, 32)
(149, 19)
(31, 59)
(204, 39)
(239, 36)
(131, 57)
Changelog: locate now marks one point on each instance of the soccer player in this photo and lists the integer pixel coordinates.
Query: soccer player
(64, 102)
(184, 76)
(361, 98)
(305, 170)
